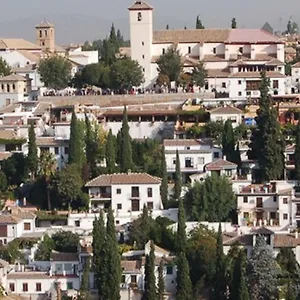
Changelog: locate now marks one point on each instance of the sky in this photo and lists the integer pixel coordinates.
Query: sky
(77, 20)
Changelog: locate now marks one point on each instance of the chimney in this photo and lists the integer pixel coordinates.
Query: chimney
(224, 157)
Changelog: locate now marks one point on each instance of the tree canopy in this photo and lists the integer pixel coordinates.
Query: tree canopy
(233, 23)
(199, 24)
(5, 69)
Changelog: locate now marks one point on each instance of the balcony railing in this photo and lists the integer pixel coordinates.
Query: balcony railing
(100, 195)
(135, 195)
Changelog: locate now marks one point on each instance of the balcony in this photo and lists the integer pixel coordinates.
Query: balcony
(100, 196)
(135, 196)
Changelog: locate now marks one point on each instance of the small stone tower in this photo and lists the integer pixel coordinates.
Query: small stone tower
(45, 36)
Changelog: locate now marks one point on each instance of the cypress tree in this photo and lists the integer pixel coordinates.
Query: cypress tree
(184, 284)
(267, 145)
(150, 280)
(32, 157)
(161, 281)
(114, 272)
(181, 233)
(219, 282)
(75, 146)
(233, 23)
(164, 182)
(297, 154)
(85, 282)
(177, 179)
(199, 24)
(126, 162)
(110, 154)
(239, 289)
(228, 141)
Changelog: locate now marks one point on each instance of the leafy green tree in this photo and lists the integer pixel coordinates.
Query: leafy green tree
(113, 259)
(266, 142)
(46, 170)
(85, 282)
(181, 229)
(228, 141)
(150, 279)
(262, 272)
(32, 157)
(170, 64)
(239, 289)
(126, 73)
(297, 154)
(219, 288)
(55, 72)
(3, 181)
(11, 253)
(233, 23)
(164, 193)
(199, 24)
(65, 241)
(90, 74)
(177, 178)
(184, 285)
(126, 162)
(212, 200)
(44, 249)
(288, 263)
(5, 69)
(199, 75)
(110, 153)
(161, 281)
(76, 151)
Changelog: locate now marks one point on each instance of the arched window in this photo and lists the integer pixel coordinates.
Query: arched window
(139, 16)
(13, 86)
(8, 88)
(46, 33)
(41, 33)
(2, 87)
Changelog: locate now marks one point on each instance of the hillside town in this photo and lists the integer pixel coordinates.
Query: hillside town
(162, 167)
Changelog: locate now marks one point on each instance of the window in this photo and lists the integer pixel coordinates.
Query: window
(135, 192)
(8, 88)
(228, 172)
(169, 270)
(201, 161)
(133, 278)
(240, 93)
(119, 206)
(12, 287)
(259, 202)
(189, 50)
(216, 154)
(246, 215)
(245, 199)
(275, 84)
(223, 84)
(13, 86)
(46, 33)
(252, 85)
(275, 199)
(143, 56)
(149, 192)
(66, 150)
(285, 200)
(143, 69)
(214, 50)
(279, 69)
(68, 267)
(38, 287)
(58, 268)
(117, 223)
(285, 216)
(27, 226)
(135, 205)
(42, 43)
(25, 287)
(77, 223)
(44, 149)
(272, 215)
(41, 33)
(123, 279)
(56, 150)
(240, 82)
(241, 50)
(163, 51)
(248, 93)
(4, 241)
(69, 285)
(119, 191)
(143, 43)
(139, 16)
(189, 163)
(174, 161)
(150, 205)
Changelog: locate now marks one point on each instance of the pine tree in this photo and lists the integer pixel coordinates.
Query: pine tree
(219, 282)
(184, 284)
(267, 145)
(167, 27)
(199, 24)
(114, 272)
(32, 157)
(181, 227)
(164, 182)
(297, 154)
(233, 23)
(85, 282)
(76, 154)
(161, 281)
(239, 289)
(178, 178)
(126, 162)
(228, 141)
(150, 279)
(110, 154)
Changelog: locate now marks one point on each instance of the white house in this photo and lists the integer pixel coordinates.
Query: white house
(224, 113)
(193, 155)
(83, 58)
(125, 192)
(233, 57)
(296, 76)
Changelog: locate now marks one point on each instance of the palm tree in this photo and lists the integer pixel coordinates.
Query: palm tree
(46, 169)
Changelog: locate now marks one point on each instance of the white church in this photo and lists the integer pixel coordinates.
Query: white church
(233, 58)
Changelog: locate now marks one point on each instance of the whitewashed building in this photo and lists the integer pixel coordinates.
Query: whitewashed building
(125, 192)
(296, 76)
(194, 155)
(224, 113)
(233, 57)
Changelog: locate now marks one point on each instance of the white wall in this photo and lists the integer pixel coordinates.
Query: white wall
(236, 119)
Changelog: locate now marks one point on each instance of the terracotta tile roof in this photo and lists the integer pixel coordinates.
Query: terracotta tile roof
(5, 155)
(274, 62)
(189, 61)
(33, 57)
(125, 51)
(226, 110)
(218, 73)
(27, 275)
(220, 164)
(271, 74)
(246, 240)
(8, 134)
(290, 50)
(158, 111)
(10, 108)
(265, 57)
(131, 266)
(123, 178)
(285, 240)
(17, 44)
(257, 189)
(140, 5)
(237, 63)
(187, 142)
(212, 58)
(261, 231)
(166, 260)
(63, 256)
(251, 36)
(13, 77)
(8, 219)
(296, 65)
(191, 36)
(41, 109)
(50, 141)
